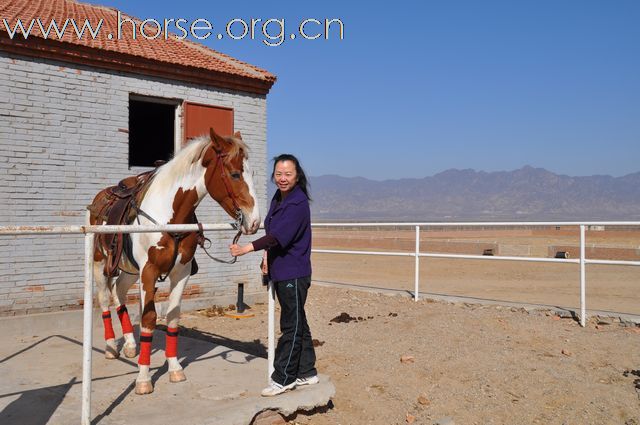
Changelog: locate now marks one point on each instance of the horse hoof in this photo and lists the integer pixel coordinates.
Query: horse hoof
(145, 387)
(110, 353)
(129, 352)
(177, 376)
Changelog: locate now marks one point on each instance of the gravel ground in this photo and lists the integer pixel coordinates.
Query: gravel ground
(426, 362)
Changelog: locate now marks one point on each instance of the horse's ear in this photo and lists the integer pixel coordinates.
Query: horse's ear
(237, 135)
(217, 141)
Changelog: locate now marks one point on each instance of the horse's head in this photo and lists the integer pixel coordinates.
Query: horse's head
(229, 179)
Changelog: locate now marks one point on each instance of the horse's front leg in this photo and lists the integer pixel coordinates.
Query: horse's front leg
(179, 277)
(148, 277)
(122, 286)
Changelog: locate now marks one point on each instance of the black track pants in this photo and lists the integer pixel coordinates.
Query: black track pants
(295, 356)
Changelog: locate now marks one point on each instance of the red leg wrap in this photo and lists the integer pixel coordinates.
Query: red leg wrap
(171, 349)
(108, 327)
(123, 315)
(145, 348)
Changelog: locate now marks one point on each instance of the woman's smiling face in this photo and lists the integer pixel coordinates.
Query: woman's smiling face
(285, 176)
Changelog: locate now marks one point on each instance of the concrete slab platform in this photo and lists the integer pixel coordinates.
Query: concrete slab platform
(42, 383)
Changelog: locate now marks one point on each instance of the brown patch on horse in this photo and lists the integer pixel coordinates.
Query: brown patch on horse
(184, 205)
(187, 248)
(149, 276)
(161, 256)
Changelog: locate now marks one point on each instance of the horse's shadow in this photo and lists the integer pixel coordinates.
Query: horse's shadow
(37, 406)
(190, 353)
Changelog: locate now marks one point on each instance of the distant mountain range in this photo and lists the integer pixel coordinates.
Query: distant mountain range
(524, 194)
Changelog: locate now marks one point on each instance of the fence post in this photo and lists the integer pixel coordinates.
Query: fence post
(417, 268)
(271, 344)
(87, 337)
(583, 278)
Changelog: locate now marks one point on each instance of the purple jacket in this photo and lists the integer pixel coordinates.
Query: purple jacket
(289, 222)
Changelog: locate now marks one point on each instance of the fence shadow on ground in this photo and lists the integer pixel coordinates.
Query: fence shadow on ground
(37, 406)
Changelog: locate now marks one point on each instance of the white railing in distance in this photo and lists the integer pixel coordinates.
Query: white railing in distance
(582, 260)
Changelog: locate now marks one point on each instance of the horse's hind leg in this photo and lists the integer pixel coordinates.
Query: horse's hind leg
(122, 286)
(179, 277)
(103, 285)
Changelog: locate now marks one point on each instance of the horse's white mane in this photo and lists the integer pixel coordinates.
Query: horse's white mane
(183, 161)
(190, 155)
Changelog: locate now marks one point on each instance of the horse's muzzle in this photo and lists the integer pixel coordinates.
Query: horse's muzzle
(250, 225)
(250, 230)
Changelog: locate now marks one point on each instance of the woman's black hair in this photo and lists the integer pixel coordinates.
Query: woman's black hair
(302, 177)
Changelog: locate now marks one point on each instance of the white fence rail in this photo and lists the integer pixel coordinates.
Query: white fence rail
(90, 231)
(89, 237)
(582, 261)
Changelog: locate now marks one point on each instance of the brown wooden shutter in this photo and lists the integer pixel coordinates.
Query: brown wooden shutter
(199, 118)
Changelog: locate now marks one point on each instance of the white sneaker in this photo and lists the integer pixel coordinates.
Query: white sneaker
(309, 380)
(274, 389)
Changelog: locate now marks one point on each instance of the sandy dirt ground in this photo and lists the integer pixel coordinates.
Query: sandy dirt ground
(468, 363)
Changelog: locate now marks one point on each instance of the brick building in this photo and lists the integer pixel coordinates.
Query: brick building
(75, 116)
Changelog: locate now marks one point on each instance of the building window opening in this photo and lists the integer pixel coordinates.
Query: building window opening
(151, 132)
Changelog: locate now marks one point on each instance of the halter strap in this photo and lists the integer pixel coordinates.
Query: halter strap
(225, 180)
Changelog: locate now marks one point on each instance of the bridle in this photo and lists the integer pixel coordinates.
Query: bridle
(202, 240)
(239, 215)
(227, 185)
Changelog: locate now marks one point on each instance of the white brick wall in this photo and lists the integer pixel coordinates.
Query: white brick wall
(60, 144)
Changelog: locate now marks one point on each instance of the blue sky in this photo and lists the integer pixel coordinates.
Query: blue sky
(415, 88)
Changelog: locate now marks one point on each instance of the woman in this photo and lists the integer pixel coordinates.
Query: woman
(287, 260)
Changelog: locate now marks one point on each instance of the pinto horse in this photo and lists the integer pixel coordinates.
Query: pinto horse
(215, 165)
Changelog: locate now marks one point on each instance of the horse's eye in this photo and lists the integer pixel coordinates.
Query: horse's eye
(236, 175)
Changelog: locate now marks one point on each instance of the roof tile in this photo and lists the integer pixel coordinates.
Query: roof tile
(169, 51)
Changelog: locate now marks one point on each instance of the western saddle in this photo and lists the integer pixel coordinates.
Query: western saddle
(119, 205)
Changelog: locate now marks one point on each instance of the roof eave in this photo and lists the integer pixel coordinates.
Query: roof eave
(84, 55)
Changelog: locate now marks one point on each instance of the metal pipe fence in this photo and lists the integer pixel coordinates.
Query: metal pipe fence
(417, 253)
(89, 236)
